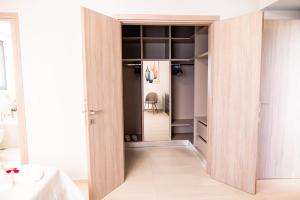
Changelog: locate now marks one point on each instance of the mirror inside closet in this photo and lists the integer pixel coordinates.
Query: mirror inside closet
(165, 81)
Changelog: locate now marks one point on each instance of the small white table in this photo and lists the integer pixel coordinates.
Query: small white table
(54, 185)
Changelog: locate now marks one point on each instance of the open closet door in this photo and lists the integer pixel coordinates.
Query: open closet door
(103, 79)
(234, 107)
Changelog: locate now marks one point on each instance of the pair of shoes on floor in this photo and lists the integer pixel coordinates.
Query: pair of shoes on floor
(131, 138)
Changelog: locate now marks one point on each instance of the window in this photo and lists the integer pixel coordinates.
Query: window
(3, 85)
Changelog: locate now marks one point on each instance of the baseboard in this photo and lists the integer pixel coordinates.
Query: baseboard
(171, 143)
(199, 155)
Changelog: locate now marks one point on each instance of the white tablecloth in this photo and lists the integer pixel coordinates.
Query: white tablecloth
(54, 185)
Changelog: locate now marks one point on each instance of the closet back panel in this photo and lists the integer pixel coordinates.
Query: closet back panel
(155, 31)
(279, 152)
(182, 31)
(183, 94)
(132, 97)
(131, 31)
(183, 50)
(156, 50)
(131, 49)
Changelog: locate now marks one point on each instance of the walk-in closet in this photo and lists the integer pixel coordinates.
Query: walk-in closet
(182, 80)
(165, 74)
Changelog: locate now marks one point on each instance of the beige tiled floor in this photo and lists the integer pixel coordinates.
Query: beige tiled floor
(176, 174)
(156, 126)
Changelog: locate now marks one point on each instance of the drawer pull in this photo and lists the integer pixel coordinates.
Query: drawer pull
(202, 139)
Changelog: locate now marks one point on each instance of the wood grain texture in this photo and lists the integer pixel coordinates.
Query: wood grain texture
(166, 19)
(103, 87)
(279, 139)
(209, 116)
(200, 78)
(200, 75)
(14, 21)
(235, 101)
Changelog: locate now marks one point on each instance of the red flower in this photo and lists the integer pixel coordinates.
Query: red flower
(15, 170)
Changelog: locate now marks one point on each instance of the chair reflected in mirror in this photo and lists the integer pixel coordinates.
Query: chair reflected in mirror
(151, 101)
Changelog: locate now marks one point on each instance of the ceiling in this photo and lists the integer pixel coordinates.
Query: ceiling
(285, 5)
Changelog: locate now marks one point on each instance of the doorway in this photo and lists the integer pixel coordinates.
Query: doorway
(13, 138)
(103, 96)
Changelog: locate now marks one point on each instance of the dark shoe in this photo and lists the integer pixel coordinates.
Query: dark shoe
(127, 138)
(134, 138)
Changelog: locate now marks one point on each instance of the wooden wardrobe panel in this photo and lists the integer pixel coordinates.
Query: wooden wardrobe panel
(183, 94)
(200, 75)
(234, 110)
(132, 96)
(279, 140)
(103, 87)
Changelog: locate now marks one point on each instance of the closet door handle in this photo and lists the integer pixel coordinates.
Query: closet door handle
(93, 112)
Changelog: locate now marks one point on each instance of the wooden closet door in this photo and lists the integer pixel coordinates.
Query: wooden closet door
(279, 151)
(234, 106)
(103, 79)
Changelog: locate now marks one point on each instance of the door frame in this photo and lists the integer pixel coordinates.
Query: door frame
(13, 19)
(185, 20)
(166, 19)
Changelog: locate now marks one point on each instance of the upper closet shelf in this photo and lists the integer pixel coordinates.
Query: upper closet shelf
(182, 122)
(155, 39)
(183, 39)
(131, 60)
(131, 38)
(183, 61)
(203, 56)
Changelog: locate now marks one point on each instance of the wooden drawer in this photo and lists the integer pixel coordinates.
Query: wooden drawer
(201, 130)
(201, 145)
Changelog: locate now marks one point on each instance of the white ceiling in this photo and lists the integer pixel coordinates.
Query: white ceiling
(285, 5)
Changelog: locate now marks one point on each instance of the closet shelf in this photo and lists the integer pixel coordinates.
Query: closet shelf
(131, 38)
(182, 59)
(182, 122)
(183, 39)
(155, 59)
(203, 56)
(155, 39)
(132, 60)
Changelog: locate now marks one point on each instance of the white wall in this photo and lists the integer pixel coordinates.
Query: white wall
(52, 72)
(221, 8)
(52, 68)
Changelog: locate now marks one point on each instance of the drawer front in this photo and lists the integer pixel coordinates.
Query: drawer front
(202, 130)
(201, 145)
